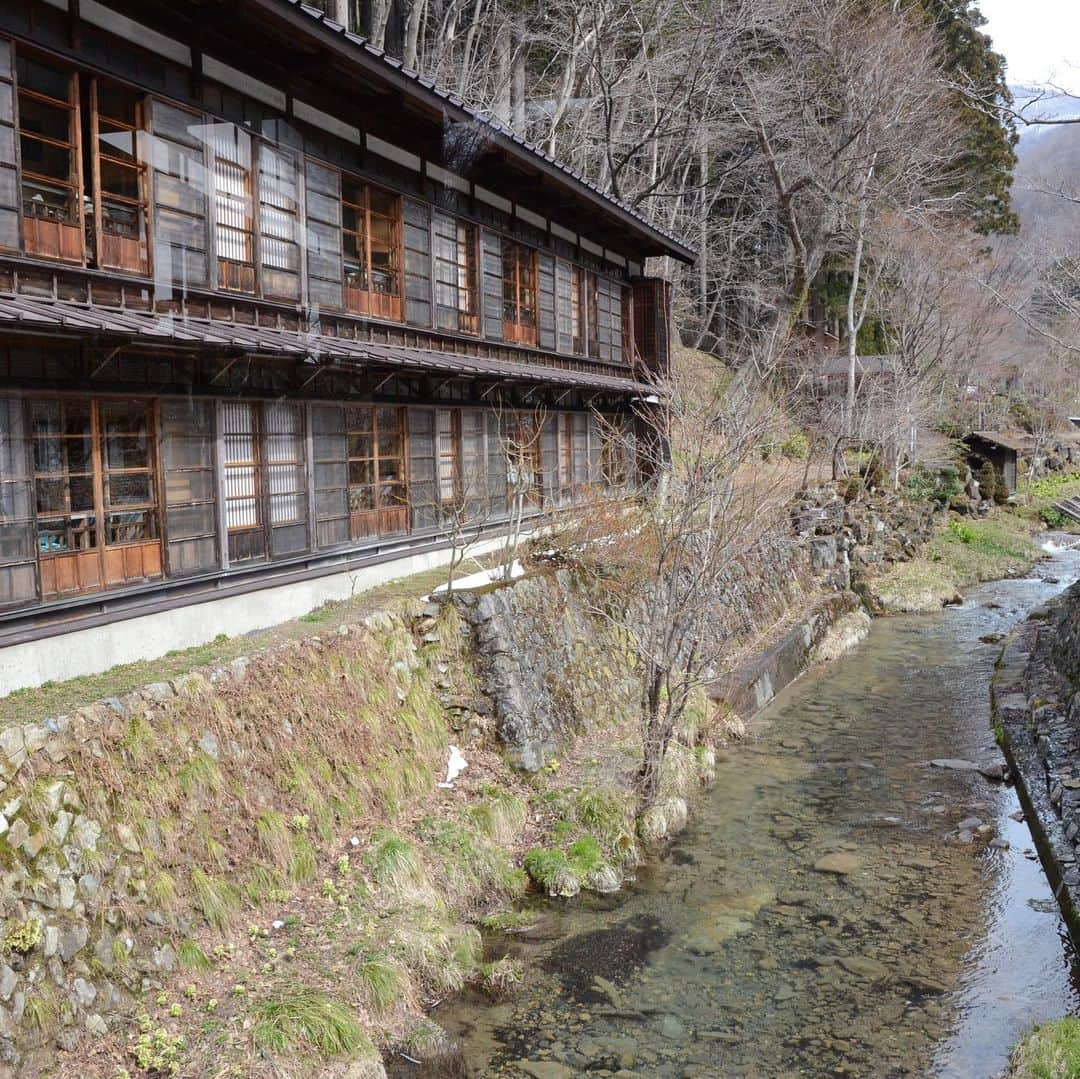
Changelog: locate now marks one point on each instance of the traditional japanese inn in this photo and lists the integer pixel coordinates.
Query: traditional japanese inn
(268, 303)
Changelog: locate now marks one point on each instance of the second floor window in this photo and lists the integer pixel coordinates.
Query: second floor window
(233, 225)
(121, 237)
(371, 242)
(456, 284)
(519, 292)
(51, 191)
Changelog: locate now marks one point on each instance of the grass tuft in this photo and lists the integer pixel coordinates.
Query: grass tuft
(275, 837)
(502, 977)
(383, 984)
(201, 774)
(308, 1017)
(217, 899)
(192, 957)
(395, 862)
(303, 864)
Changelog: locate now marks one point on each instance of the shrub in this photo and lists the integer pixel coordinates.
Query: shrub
(796, 447)
(964, 533)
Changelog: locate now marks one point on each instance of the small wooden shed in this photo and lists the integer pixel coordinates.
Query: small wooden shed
(1000, 449)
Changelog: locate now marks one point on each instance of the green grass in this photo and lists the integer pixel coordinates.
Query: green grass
(394, 861)
(200, 775)
(307, 1017)
(509, 921)
(217, 899)
(275, 837)
(303, 864)
(961, 554)
(192, 957)
(382, 983)
(58, 698)
(1051, 1051)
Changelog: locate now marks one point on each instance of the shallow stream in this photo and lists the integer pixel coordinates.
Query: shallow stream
(907, 951)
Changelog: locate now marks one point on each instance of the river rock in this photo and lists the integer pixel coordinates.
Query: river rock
(954, 764)
(863, 966)
(544, 1069)
(841, 863)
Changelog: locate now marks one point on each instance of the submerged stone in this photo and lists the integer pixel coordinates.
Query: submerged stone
(841, 863)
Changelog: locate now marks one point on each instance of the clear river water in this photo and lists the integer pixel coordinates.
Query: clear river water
(915, 954)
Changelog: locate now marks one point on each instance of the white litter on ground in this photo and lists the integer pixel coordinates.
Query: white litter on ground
(454, 767)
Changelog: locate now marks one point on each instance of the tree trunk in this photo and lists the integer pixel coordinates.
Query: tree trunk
(415, 19)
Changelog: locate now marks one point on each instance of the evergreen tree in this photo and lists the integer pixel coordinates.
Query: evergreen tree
(986, 163)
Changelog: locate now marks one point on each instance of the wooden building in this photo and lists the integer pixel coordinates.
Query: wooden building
(1001, 450)
(268, 301)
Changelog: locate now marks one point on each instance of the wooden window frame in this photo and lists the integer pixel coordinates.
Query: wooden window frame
(104, 564)
(265, 206)
(235, 274)
(592, 319)
(366, 300)
(447, 460)
(381, 518)
(43, 236)
(466, 273)
(114, 251)
(252, 463)
(520, 279)
(577, 309)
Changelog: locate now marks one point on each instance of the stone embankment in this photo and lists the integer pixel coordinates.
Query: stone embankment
(547, 665)
(1036, 710)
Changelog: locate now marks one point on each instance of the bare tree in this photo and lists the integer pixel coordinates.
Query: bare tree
(663, 589)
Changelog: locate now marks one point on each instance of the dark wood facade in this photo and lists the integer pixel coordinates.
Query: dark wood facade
(265, 298)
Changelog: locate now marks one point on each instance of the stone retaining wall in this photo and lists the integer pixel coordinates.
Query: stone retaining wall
(547, 665)
(1035, 696)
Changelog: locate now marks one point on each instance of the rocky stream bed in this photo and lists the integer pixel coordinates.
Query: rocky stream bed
(840, 905)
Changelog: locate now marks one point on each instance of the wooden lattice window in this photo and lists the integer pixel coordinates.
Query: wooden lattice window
(378, 495)
(51, 163)
(121, 191)
(457, 300)
(371, 235)
(234, 231)
(519, 292)
(242, 481)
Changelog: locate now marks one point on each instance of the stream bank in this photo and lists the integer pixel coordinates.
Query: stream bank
(837, 905)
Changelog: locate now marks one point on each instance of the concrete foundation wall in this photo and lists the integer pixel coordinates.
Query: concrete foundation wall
(91, 651)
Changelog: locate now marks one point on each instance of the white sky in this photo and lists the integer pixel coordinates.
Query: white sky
(1040, 39)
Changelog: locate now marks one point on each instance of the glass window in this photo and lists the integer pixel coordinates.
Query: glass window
(371, 238)
(233, 225)
(577, 313)
(447, 448)
(592, 293)
(378, 495)
(456, 274)
(286, 479)
(62, 437)
(129, 482)
(241, 466)
(519, 292)
(51, 188)
(121, 236)
(279, 226)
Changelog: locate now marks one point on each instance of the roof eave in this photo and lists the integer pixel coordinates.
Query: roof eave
(354, 49)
